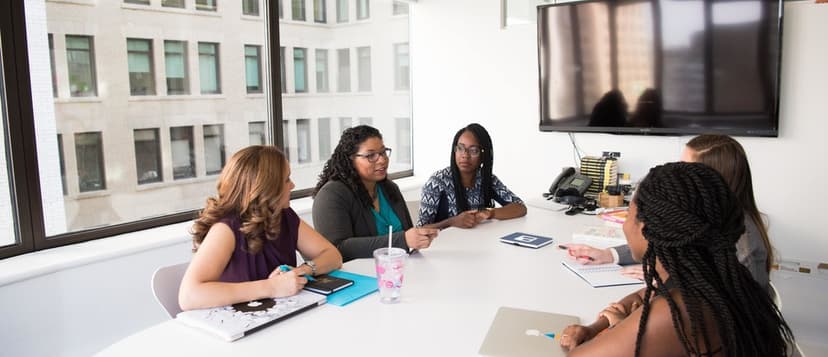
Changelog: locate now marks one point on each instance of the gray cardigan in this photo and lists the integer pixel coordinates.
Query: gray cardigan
(349, 224)
(749, 249)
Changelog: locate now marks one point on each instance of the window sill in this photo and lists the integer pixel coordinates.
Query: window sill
(71, 100)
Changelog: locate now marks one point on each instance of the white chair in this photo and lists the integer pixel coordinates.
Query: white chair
(413, 210)
(777, 299)
(165, 283)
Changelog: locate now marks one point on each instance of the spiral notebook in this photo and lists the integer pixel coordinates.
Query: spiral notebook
(600, 275)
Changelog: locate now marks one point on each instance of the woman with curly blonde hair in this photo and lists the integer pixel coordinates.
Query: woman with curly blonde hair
(247, 231)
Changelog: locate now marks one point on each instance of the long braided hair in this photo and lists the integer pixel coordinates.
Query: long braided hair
(486, 160)
(340, 167)
(692, 221)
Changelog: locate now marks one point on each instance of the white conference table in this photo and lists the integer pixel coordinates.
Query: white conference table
(451, 293)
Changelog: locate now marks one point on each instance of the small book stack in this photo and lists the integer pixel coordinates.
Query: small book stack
(602, 170)
(600, 236)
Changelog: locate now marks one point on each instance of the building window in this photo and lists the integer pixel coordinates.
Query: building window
(252, 68)
(175, 60)
(173, 3)
(52, 64)
(400, 8)
(319, 11)
(282, 64)
(251, 7)
(364, 68)
(366, 121)
(141, 77)
(281, 10)
(402, 70)
(363, 9)
(322, 71)
(80, 58)
(341, 11)
(62, 164)
(343, 76)
(286, 138)
(206, 5)
(214, 148)
(148, 156)
(300, 70)
(324, 129)
(208, 67)
(298, 7)
(403, 140)
(303, 144)
(256, 132)
(90, 161)
(183, 152)
(140, 2)
(344, 123)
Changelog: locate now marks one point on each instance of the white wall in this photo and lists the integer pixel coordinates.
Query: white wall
(468, 69)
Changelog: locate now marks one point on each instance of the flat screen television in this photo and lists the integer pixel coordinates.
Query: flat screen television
(670, 67)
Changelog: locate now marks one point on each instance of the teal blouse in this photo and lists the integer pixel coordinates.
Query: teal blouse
(386, 216)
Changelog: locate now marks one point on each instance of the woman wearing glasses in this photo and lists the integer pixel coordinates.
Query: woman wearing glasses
(355, 203)
(463, 194)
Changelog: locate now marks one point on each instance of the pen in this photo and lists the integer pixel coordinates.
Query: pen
(586, 257)
(286, 268)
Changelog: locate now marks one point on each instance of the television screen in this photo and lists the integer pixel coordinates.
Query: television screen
(670, 67)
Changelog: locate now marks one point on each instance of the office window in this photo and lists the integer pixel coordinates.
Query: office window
(208, 67)
(256, 132)
(52, 64)
(62, 164)
(251, 7)
(400, 8)
(206, 5)
(282, 65)
(90, 161)
(213, 148)
(303, 142)
(324, 130)
(80, 58)
(319, 11)
(286, 138)
(182, 148)
(8, 233)
(343, 75)
(141, 76)
(300, 70)
(281, 10)
(252, 68)
(363, 9)
(344, 123)
(173, 3)
(148, 156)
(366, 121)
(402, 70)
(403, 145)
(175, 65)
(321, 70)
(341, 11)
(140, 2)
(298, 7)
(364, 68)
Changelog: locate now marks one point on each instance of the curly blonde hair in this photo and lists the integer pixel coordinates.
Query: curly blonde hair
(251, 186)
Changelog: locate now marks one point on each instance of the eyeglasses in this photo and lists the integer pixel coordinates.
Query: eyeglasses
(374, 156)
(473, 151)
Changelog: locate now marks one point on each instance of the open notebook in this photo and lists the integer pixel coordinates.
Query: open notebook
(233, 322)
(600, 275)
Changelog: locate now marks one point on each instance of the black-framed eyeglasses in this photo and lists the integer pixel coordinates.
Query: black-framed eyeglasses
(374, 156)
(473, 151)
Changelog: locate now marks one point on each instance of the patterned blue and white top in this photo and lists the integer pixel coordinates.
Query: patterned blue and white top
(437, 201)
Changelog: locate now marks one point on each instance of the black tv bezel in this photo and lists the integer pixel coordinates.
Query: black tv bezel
(770, 132)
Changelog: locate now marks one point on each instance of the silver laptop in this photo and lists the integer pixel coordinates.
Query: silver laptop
(518, 332)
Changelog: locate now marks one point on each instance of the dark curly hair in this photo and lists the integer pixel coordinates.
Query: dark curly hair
(692, 221)
(250, 186)
(486, 161)
(340, 167)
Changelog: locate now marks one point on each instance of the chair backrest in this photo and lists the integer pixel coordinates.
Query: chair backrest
(165, 283)
(413, 210)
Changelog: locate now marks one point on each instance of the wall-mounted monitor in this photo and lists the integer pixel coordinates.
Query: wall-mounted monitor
(670, 67)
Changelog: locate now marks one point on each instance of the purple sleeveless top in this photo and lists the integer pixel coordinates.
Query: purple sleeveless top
(244, 266)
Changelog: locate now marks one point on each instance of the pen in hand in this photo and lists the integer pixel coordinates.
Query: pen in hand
(584, 257)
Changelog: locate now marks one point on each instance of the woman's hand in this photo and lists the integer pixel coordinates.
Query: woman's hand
(285, 283)
(633, 271)
(420, 237)
(467, 219)
(614, 313)
(585, 254)
(574, 335)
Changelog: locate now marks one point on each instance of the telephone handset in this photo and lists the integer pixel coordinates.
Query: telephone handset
(568, 184)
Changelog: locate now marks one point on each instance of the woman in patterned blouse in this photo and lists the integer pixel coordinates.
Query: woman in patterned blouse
(463, 194)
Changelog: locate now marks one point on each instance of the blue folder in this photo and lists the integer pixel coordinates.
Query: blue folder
(363, 285)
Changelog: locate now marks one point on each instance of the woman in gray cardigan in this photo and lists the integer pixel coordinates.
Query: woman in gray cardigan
(355, 204)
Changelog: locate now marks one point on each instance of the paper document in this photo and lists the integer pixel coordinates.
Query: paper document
(600, 275)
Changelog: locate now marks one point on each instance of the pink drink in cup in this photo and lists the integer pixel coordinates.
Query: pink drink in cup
(390, 269)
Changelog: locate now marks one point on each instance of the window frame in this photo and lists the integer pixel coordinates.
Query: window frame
(151, 88)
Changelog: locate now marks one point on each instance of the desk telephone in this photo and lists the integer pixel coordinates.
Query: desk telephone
(569, 186)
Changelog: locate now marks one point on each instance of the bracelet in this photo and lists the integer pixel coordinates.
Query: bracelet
(312, 265)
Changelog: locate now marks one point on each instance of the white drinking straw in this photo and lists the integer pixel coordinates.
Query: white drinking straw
(389, 238)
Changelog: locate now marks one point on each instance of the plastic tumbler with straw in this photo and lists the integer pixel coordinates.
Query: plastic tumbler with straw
(390, 263)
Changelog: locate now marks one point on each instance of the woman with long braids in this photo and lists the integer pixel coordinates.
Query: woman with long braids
(463, 194)
(355, 202)
(699, 300)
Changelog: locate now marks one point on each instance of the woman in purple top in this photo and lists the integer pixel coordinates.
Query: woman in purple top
(247, 231)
